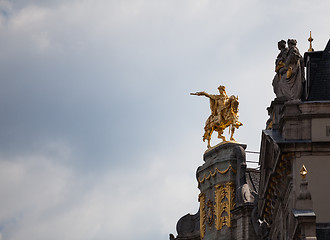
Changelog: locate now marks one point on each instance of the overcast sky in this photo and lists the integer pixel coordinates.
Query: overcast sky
(99, 137)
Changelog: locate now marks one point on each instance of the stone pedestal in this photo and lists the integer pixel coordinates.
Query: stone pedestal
(242, 225)
(305, 226)
(274, 113)
(226, 198)
(223, 186)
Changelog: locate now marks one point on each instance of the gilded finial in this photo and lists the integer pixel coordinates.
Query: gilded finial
(303, 172)
(310, 39)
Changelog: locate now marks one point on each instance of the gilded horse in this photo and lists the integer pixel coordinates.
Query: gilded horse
(226, 117)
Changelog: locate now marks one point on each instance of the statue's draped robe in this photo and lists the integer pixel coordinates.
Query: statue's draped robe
(279, 63)
(291, 82)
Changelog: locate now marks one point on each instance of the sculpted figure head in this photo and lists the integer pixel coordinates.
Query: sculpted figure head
(222, 89)
(292, 42)
(281, 44)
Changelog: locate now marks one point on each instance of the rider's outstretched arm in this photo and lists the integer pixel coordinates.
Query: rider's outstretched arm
(201, 94)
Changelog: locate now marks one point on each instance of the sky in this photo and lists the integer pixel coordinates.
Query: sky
(99, 137)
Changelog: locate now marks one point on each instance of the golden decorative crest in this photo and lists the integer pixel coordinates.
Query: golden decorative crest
(224, 203)
(201, 199)
(209, 213)
(303, 172)
(215, 172)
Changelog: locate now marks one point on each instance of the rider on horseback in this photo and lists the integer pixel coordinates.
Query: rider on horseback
(222, 114)
(217, 102)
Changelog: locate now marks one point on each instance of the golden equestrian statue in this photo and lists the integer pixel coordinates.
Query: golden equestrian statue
(224, 113)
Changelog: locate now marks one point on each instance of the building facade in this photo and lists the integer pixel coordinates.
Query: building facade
(288, 197)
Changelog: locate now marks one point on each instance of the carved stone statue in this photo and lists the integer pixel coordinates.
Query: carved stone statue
(243, 192)
(279, 64)
(224, 113)
(288, 82)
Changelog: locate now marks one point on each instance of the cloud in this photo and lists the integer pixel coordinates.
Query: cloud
(45, 197)
(99, 135)
(30, 185)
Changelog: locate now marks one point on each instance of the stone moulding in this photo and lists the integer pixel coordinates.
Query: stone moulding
(275, 184)
(215, 172)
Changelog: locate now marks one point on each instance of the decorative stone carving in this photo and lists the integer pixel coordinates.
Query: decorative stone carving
(243, 191)
(224, 203)
(279, 64)
(289, 78)
(209, 213)
(188, 227)
(212, 174)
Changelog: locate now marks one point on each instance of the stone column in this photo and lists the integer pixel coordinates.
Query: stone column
(242, 222)
(221, 180)
(305, 218)
(274, 112)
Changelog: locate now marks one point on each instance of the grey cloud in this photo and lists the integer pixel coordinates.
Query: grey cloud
(95, 106)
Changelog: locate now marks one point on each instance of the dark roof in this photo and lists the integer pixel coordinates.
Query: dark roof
(319, 82)
(253, 178)
(323, 231)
